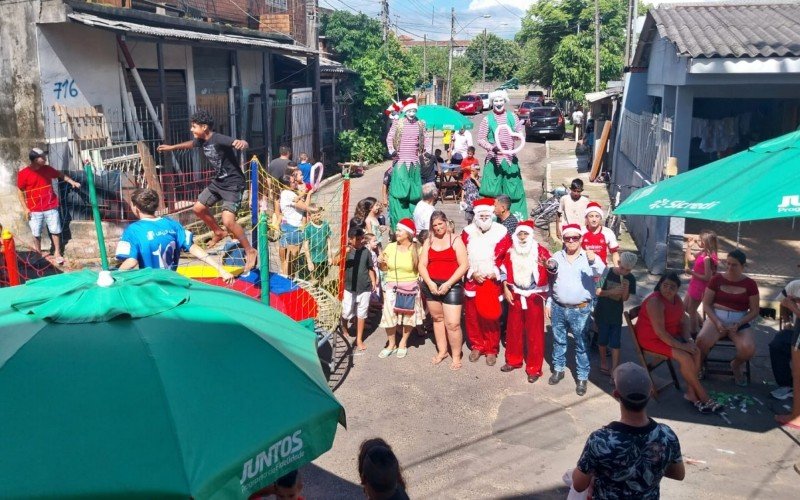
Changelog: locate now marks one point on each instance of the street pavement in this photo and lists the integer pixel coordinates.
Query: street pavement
(481, 433)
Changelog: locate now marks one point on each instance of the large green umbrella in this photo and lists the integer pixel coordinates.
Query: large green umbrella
(442, 118)
(762, 182)
(153, 387)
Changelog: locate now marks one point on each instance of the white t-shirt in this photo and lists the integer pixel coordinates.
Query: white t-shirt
(291, 215)
(422, 216)
(462, 142)
(577, 117)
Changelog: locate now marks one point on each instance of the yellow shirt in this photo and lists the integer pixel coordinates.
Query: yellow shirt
(400, 265)
(446, 137)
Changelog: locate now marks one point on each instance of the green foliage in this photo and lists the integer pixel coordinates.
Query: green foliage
(436, 63)
(557, 37)
(359, 147)
(502, 57)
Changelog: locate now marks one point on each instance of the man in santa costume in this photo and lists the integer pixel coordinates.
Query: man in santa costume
(487, 243)
(525, 289)
(501, 173)
(598, 238)
(406, 143)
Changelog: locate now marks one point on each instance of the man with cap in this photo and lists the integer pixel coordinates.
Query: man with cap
(39, 201)
(569, 306)
(525, 290)
(571, 207)
(406, 142)
(598, 238)
(501, 174)
(487, 243)
(628, 458)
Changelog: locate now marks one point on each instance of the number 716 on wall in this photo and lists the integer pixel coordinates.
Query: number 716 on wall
(65, 89)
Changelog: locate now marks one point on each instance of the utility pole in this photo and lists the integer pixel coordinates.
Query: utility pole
(596, 45)
(385, 18)
(628, 37)
(484, 60)
(424, 56)
(450, 57)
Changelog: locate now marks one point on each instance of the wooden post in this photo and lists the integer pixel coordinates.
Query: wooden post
(344, 225)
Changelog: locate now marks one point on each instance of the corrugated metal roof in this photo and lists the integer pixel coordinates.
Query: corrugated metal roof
(325, 65)
(184, 34)
(749, 29)
(602, 94)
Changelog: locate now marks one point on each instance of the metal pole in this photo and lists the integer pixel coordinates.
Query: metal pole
(10, 254)
(483, 87)
(98, 224)
(254, 239)
(450, 57)
(263, 257)
(424, 56)
(628, 36)
(142, 90)
(596, 45)
(344, 225)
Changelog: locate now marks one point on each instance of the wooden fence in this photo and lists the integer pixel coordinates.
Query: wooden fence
(646, 140)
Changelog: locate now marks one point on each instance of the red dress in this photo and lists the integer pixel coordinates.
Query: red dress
(673, 322)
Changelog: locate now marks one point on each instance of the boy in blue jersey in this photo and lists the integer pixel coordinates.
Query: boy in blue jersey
(157, 242)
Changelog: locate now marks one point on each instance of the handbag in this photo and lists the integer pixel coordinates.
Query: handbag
(405, 294)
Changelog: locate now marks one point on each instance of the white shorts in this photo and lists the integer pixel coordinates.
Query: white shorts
(361, 308)
(729, 317)
(52, 219)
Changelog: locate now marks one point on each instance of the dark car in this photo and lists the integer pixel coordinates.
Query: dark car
(469, 104)
(525, 108)
(535, 96)
(545, 121)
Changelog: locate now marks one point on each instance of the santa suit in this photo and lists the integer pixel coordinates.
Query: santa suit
(485, 251)
(527, 278)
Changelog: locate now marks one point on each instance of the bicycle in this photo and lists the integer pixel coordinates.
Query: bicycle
(614, 221)
(547, 210)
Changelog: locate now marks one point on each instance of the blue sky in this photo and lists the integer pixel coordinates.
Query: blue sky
(432, 17)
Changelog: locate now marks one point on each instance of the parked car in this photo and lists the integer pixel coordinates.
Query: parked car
(469, 104)
(545, 121)
(525, 108)
(535, 96)
(486, 102)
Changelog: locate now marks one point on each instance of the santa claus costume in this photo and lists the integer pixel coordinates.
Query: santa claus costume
(527, 285)
(487, 243)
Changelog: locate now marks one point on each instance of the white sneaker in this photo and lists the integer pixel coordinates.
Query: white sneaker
(782, 393)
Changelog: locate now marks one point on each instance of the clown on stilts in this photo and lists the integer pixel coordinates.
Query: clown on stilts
(501, 172)
(525, 289)
(487, 243)
(406, 143)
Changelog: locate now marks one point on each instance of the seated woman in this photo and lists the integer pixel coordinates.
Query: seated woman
(730, 302)
(663, 328)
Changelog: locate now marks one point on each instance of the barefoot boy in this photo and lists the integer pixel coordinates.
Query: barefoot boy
(228, 183)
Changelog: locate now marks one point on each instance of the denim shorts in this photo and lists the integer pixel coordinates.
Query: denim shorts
(290, 235)
(609, 335)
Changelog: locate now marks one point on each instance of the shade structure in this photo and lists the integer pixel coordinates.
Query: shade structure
(153, 387)
(442, 118)
(761, 182)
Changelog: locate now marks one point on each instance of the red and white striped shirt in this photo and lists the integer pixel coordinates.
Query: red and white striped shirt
(409, 141)
(504, 138)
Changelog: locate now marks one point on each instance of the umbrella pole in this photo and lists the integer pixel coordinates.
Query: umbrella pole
(263, 257)
(98, 225)
(254, 239)
(738, 233)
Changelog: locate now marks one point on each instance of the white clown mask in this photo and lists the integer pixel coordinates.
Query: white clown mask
(411, 113)
(499, 99)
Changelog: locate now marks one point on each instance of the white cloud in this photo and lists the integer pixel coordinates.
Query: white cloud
(481, 5)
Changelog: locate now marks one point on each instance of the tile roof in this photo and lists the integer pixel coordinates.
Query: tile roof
(750, 29)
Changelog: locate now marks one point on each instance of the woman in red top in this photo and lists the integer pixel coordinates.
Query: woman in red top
(731, 302)
(663, 328)
(442, 264)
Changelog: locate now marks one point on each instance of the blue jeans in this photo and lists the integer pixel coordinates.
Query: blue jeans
(577, 321)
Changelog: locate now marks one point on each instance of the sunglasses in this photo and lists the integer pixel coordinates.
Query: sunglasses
(572, 238)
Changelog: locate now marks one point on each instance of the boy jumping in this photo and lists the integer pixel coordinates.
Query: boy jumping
(228, 184)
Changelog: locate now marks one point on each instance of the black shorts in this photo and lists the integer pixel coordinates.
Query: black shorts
(453, 297)
(231, 198)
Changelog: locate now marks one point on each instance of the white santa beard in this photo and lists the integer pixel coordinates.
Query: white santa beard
(481, 252)
(483, 225)
(526, 266)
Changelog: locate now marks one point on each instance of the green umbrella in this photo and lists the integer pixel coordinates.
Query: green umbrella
(442, 118)
(153, 387)
(756, 184)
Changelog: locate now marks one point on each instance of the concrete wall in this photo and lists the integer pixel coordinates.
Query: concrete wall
(666, 67)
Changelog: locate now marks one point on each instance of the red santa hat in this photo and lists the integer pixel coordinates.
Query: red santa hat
(410, 103)
(394, 108)
(483, 205)
(526, 225)
(571, 230)
(408, 226)
(595, 207)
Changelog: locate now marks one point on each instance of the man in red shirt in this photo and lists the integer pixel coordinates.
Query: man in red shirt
(598, 238)
(39, 201)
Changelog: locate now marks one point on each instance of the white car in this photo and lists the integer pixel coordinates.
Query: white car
(485, 98)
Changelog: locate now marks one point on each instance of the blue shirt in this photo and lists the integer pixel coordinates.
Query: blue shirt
(154, 243)
(305, 168)
(574, 283)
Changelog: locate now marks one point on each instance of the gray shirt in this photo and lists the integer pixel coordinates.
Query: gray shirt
(277, 168)
(575, 282)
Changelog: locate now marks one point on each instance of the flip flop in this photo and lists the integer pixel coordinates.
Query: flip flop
(401, 352)
(385, 353)
(604, 371)
(790, 425)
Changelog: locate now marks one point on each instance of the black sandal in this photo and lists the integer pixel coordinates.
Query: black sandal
(708, 407)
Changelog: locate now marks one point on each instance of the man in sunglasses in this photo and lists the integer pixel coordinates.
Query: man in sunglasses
(572, 207)
(569, 306)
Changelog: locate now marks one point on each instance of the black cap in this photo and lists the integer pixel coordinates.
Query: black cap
(36, 153)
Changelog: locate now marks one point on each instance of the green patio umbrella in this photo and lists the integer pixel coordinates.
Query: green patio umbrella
(762, 182)
(153, 387)
(442, 118)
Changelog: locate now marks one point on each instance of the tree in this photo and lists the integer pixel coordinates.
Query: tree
(436, 62)
(502, 57)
